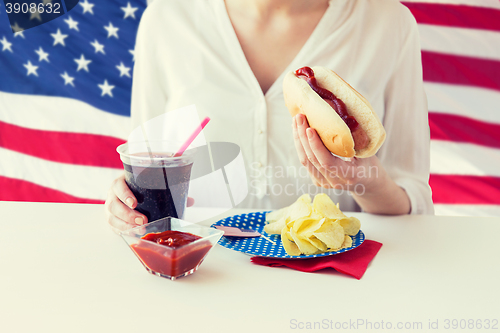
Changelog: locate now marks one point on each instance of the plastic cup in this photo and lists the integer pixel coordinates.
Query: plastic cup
(159, 181)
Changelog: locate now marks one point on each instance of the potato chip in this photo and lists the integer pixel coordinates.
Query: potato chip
(317, 243)
(347, 242)
(275, 227)
(290, 247)
(301, 223)
(305, 197)
(315, 215)
(324, 206)
(310, 228)
(300, 208)
(330, 233)
(276, 215)
(304, 246)
(351, 225)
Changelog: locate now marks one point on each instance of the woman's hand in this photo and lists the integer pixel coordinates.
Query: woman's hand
(365, 178)
(120, 205)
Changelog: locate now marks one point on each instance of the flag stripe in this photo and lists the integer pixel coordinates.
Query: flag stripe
(21, 190)
(449, 158)
(467, 210)
(461, 70)
(60, 114)
(462, 129)
(478, 103)
(76, 180)
(455, 15)
(476, 3)
(464, 42)
(62, 147)
(456, 189)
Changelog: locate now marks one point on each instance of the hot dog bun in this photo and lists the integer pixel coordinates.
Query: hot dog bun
(333, 131)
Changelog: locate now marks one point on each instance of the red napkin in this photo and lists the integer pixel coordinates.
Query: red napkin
(352, 262)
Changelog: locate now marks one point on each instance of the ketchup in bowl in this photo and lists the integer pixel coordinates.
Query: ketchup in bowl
(169, 248)
(171, 238)
(176, 262)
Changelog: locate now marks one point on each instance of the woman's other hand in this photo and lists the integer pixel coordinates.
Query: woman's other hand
(365, 178)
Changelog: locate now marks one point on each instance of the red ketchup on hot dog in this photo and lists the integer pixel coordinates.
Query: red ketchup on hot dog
(358, 134)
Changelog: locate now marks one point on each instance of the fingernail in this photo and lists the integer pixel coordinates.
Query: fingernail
(129, 201)
(309, 133)
(139, 221)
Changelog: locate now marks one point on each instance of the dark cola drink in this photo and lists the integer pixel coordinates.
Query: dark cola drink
(159, 183)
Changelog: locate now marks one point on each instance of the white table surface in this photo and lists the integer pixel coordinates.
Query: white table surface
(64, 270)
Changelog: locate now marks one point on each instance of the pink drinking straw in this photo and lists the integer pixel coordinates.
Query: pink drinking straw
(192, 137)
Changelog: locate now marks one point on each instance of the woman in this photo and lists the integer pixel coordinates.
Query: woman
(229, 58)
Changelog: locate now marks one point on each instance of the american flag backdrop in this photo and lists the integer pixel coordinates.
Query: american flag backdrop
(65, 92)
(460, 42)
(65, 102)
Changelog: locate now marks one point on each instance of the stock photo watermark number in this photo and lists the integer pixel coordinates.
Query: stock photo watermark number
(32, 8)
(370, 325)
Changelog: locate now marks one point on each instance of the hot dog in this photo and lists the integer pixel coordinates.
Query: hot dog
(343, 119)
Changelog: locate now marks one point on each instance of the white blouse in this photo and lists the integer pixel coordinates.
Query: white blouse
(187, 53)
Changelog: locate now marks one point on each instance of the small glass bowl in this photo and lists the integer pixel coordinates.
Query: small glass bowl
(168, 262)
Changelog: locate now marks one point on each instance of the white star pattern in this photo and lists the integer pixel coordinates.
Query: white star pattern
(76, 58)
(106, 88)
(68, 79)
(6, 45)
(112, 30)
(87, 7)
(98, 47)
(31, 69)
(36, 15)
(83, 64)
(72, 23)
(18, 31)
(129, 11)
(123, 70)
(42, 55)
(59, 38)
